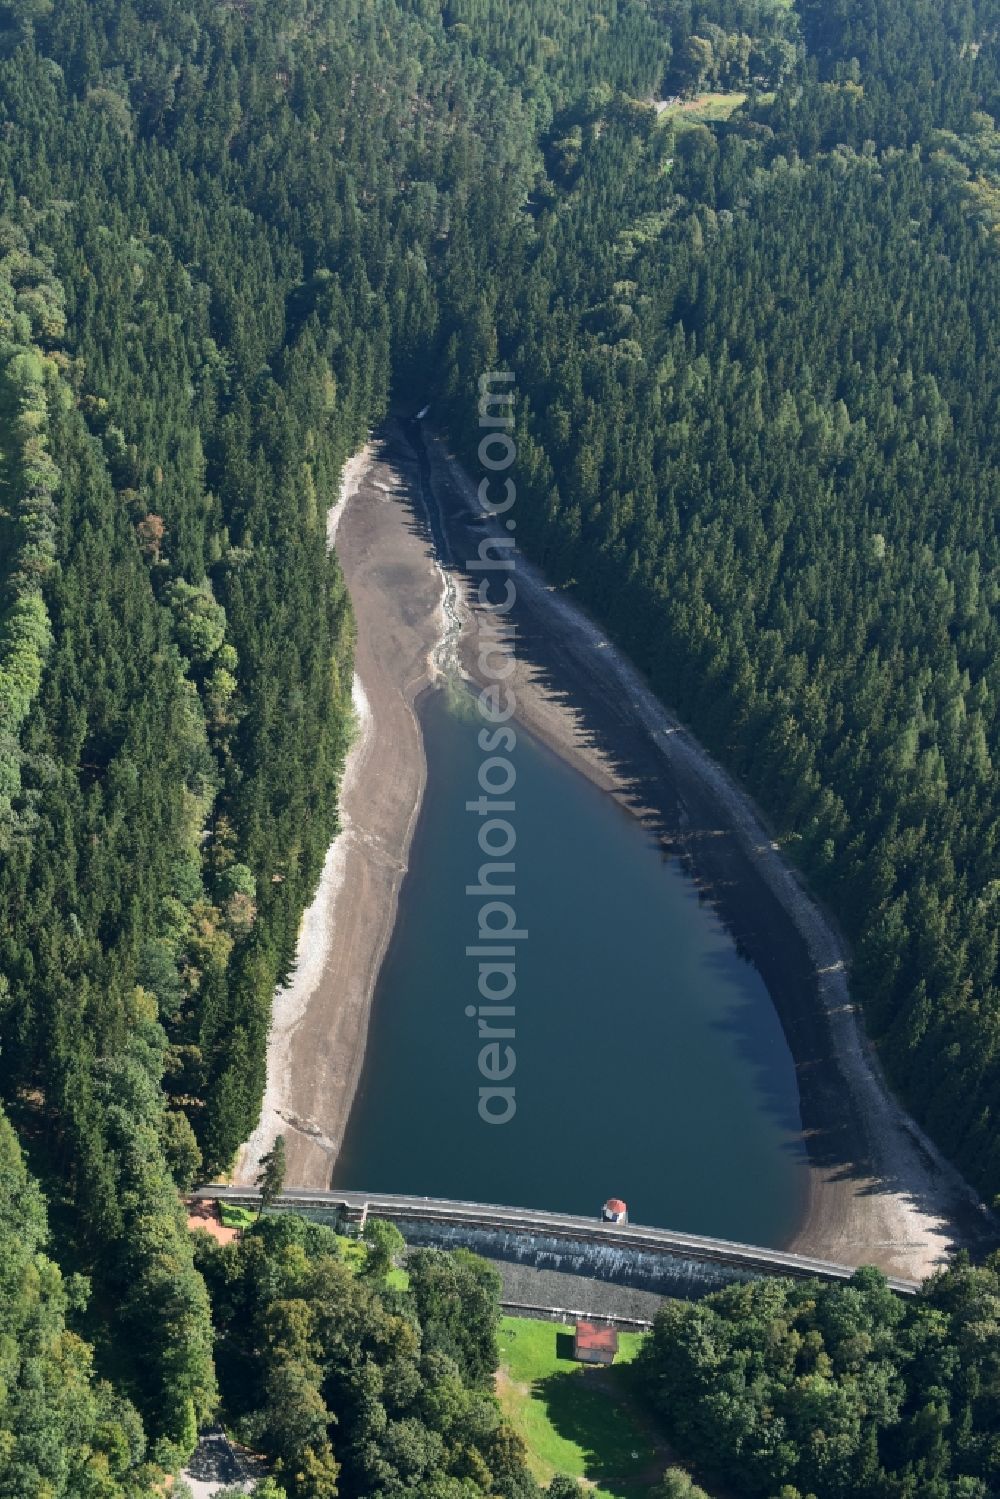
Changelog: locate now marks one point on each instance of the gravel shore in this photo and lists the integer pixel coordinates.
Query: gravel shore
(320, 1020)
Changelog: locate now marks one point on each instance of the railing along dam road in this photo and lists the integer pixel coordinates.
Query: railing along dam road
(652, 1260)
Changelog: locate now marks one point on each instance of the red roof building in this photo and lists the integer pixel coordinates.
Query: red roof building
(614, 1211)
(595, 1345)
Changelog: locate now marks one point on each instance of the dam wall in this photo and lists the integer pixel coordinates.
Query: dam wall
(559, 1261)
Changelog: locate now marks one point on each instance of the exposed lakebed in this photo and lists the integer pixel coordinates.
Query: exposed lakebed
(651, 1063)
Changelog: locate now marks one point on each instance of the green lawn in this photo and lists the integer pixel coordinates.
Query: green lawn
(705, 108)
(355, 1252)
(234, 1217)
(576, 1420)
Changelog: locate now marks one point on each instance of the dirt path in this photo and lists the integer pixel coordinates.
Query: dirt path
(878, 1190)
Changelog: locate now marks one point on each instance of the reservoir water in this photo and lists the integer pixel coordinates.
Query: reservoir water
(650, 1063)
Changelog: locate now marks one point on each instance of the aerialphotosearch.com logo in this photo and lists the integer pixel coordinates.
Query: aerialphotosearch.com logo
(498, 931)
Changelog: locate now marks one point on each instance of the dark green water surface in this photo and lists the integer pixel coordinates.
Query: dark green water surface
(650, 1063)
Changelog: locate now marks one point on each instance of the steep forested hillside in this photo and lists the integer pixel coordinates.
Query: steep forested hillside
(759, 413)
(406, 1377)
(782, 1389)
(759, 375)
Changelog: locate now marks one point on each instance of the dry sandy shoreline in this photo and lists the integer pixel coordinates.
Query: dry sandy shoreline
(878, 1190)
(320, 1021)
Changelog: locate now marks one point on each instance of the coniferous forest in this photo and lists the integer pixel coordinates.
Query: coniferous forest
(756, 350)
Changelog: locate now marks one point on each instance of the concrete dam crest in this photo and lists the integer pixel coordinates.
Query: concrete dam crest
(560, 1263)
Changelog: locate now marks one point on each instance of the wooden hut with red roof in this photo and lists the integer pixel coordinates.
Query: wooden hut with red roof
(594, 1344)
